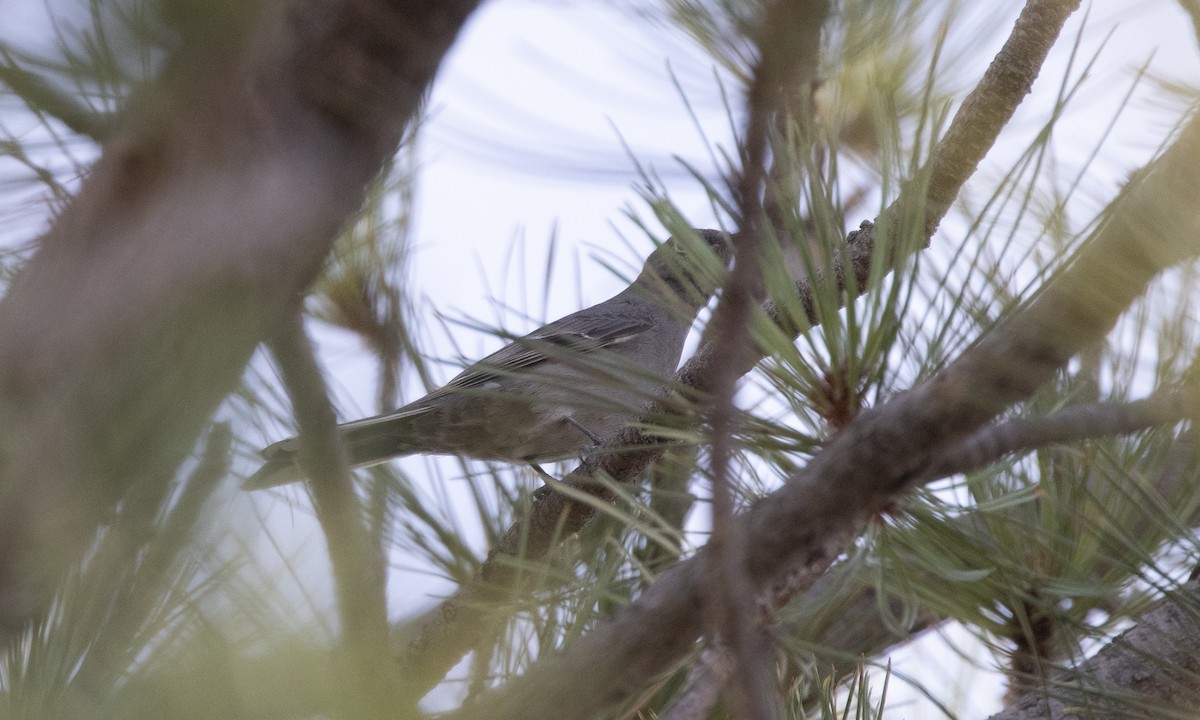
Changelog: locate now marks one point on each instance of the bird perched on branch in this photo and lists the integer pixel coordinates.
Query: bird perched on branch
(554, 391)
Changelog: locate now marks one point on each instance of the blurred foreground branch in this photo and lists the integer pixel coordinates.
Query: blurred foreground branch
(357, 562)
(213, 205)
(789, 43)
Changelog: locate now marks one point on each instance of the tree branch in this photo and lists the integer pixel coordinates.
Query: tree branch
(1149, 671)
(869, 635)
(789, 41)
(429, 646)
(1071, 424)
(841, 620)
(357, 562)
(794, 534)
(856, 629)
(212, 207)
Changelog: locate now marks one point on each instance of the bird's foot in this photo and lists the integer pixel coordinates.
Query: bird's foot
(587, 451)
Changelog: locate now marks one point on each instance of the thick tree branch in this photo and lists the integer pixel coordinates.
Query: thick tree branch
(856, 629)
(1151, 670)
(867, 634)
(795, 533)
(431, 645)
(211, 208)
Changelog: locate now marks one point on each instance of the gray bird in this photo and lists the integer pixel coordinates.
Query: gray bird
(554, 391)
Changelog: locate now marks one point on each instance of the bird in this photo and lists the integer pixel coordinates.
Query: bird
(551, 393)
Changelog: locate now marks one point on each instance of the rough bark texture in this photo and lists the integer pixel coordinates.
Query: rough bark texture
(214, 203)
(1149, 671)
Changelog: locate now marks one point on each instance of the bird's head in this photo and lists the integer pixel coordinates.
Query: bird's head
(688, 268)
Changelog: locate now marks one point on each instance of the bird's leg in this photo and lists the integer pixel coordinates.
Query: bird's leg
(547, 477)
(595, 440)
(586, 450)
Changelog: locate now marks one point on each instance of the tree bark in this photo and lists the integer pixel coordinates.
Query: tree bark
(1149, 671)
(212, 206)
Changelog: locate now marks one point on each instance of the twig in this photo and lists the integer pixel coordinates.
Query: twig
(788, 46)
(429, 647)
(1073, 423)
(358, 567)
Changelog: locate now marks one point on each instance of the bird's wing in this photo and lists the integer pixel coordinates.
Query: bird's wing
(581, 332)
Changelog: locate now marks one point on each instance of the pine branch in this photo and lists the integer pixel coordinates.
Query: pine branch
(1071, 424)
(358, 565)
(868, 634)
(795, 533)
(845, 614)
(428, 647)
(788, 48)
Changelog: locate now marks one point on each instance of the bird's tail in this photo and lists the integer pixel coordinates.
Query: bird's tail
(280, 469)
(368, 442)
